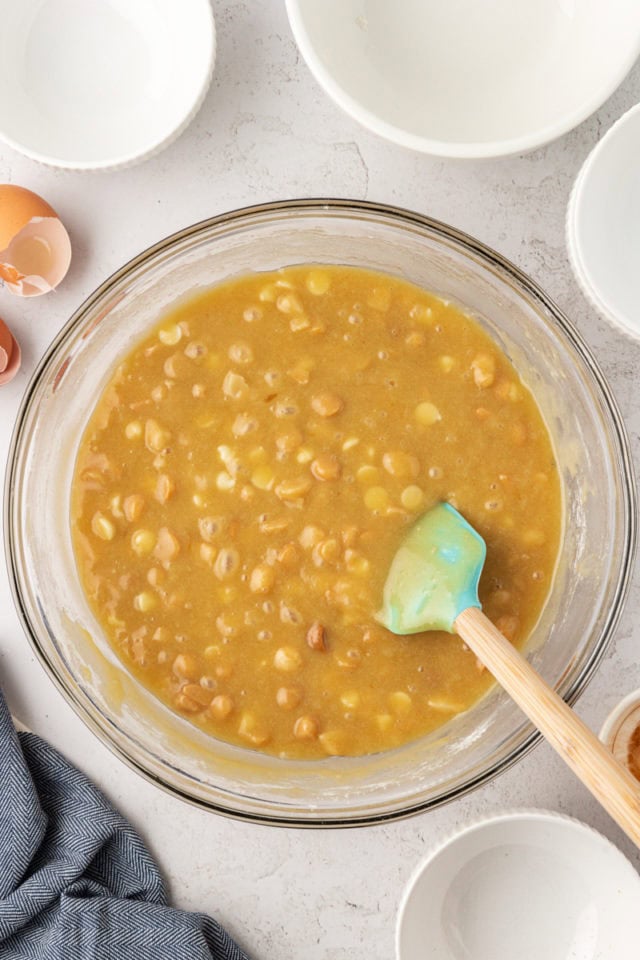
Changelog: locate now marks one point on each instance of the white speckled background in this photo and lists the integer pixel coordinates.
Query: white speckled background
(267, 131)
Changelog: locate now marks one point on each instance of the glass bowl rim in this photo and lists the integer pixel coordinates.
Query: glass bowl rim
(468, 245)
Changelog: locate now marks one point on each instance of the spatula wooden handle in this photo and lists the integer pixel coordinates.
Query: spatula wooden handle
(609, 782)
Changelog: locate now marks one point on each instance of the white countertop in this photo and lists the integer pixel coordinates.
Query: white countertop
(267, 131)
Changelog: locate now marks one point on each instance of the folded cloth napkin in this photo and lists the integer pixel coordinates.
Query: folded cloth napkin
(76, 881)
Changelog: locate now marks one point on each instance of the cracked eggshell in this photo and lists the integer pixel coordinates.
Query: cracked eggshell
(35, 251)
(10, 355)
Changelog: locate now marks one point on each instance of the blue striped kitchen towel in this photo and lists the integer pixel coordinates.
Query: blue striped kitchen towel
(76, 881)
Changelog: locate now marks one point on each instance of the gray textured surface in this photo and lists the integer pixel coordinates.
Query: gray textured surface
(266, 131)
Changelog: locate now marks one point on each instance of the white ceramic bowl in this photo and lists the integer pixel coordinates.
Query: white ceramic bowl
(603, 224)
(89, 84)
(531, 885)
(462, 78)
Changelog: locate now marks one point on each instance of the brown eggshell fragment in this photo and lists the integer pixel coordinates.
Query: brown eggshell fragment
(6, 345)
(17, 207)
(10, 355)
(35, 251)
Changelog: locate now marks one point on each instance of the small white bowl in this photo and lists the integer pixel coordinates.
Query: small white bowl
(466, 78)
(603, 224)
(99, 84)
(531, 885)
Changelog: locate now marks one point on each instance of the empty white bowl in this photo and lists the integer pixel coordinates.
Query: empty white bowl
(603, 224)
(531, 885)
(90, 84)
(462, 78)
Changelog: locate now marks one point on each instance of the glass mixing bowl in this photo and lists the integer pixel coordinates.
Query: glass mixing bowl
(591, 448)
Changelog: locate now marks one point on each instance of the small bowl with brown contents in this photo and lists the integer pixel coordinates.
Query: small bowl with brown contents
(217, 460)
(621, 732)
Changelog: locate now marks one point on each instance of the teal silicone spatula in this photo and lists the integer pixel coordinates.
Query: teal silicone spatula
(433, 585)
